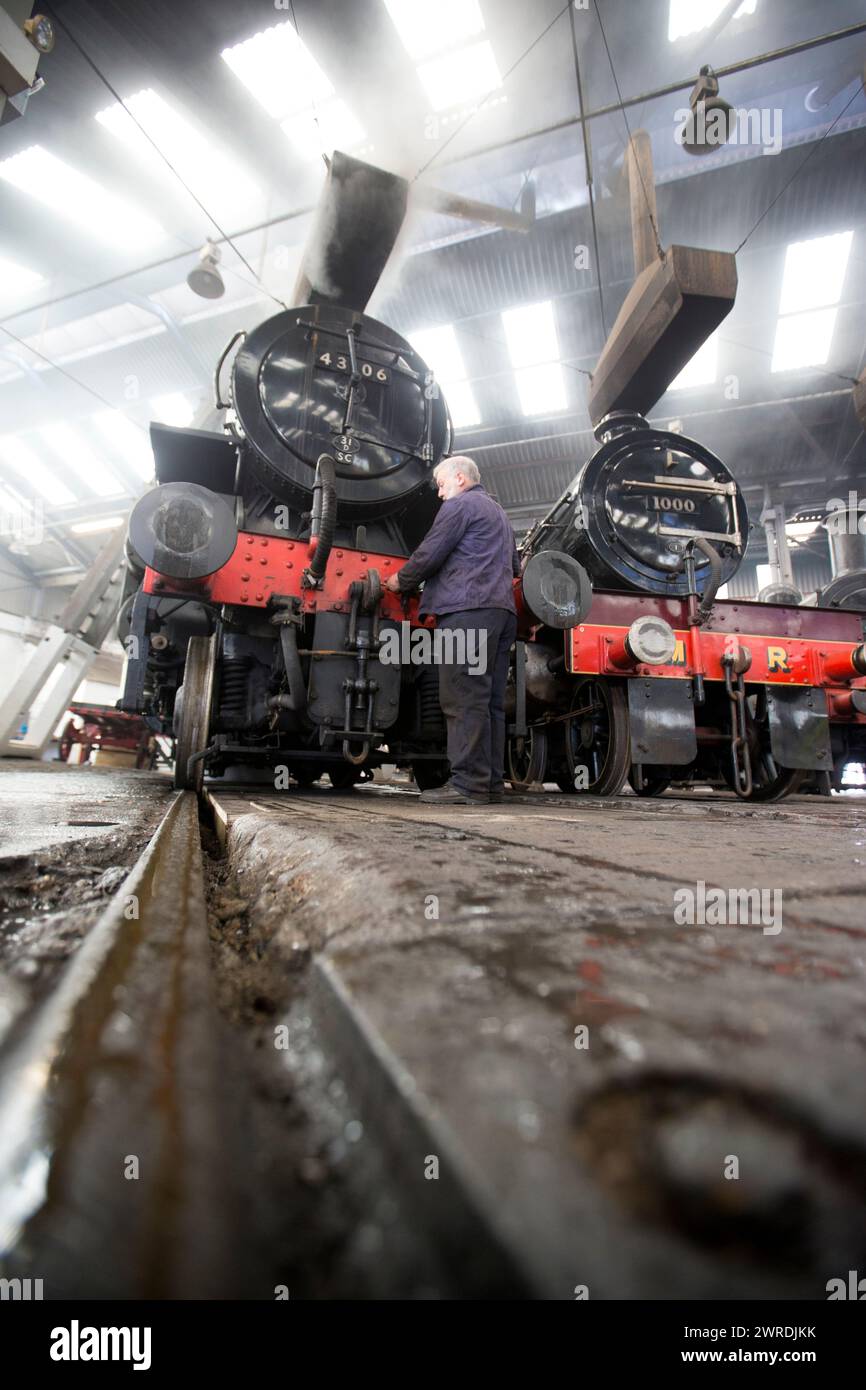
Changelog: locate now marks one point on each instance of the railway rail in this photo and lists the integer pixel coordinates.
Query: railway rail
(114, 1138)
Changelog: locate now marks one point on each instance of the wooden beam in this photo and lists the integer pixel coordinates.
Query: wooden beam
(671, 309)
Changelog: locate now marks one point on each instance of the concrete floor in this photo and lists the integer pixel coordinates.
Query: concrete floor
(68, 836)
(638, 1105)
(651, 1108)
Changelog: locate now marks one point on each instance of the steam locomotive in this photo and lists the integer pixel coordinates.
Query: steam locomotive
(659, 680)
(256, 608)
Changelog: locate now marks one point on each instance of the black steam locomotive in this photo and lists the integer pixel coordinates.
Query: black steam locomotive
(257, 607)
(661, 680)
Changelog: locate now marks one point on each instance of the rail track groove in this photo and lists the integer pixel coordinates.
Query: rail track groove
(114, 1163)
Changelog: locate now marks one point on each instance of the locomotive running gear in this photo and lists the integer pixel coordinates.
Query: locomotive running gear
(468, 557)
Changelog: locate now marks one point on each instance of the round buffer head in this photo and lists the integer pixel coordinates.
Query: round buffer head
(651, 641)
(183, 531)
(556, 589)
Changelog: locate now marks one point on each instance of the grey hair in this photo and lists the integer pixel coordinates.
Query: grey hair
(459, 463)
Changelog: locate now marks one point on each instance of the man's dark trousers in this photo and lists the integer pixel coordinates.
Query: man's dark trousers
(473, 697)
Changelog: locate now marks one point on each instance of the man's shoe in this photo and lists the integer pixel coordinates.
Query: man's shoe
(449, 795)
(497, 795)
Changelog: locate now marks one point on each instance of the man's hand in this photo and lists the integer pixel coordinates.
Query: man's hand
(392, 583)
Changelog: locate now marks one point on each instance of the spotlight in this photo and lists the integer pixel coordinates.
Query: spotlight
(205, 279)
(712, 121)
(40, 32)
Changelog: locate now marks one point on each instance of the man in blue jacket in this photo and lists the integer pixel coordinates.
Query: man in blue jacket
(467, 561)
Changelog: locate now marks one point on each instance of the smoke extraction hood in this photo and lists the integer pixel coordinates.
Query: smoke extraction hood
(357, 222)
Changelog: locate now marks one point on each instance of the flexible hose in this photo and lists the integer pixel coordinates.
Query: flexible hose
(297, 696)
(711, 588)
(324, 515)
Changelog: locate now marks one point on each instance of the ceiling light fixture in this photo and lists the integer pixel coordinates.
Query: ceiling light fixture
(713, 121)
(204, 279)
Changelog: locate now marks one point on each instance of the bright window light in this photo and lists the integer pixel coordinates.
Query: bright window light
(533, 346)
(764, 576)
(701, 368)
(462, 405)
(72, 449)
(689, 16)
(197, 159)
(531, 334)
(803, 340)
(541, 389)
(125, 441)
(323, 128)
(16, 279)
(279, 70)
(25, 462)
(103, 523)
(462, 76)
(800, 530)
(428, 26)
(814, 272)
(81, 199)
(174, 409)
(441, 352)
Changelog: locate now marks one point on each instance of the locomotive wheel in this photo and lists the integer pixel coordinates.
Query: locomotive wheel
(526, 765)
(597, 743)
(192, 712)
(770, 781)
(653, 784)
(430, 776)
(775, 782)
